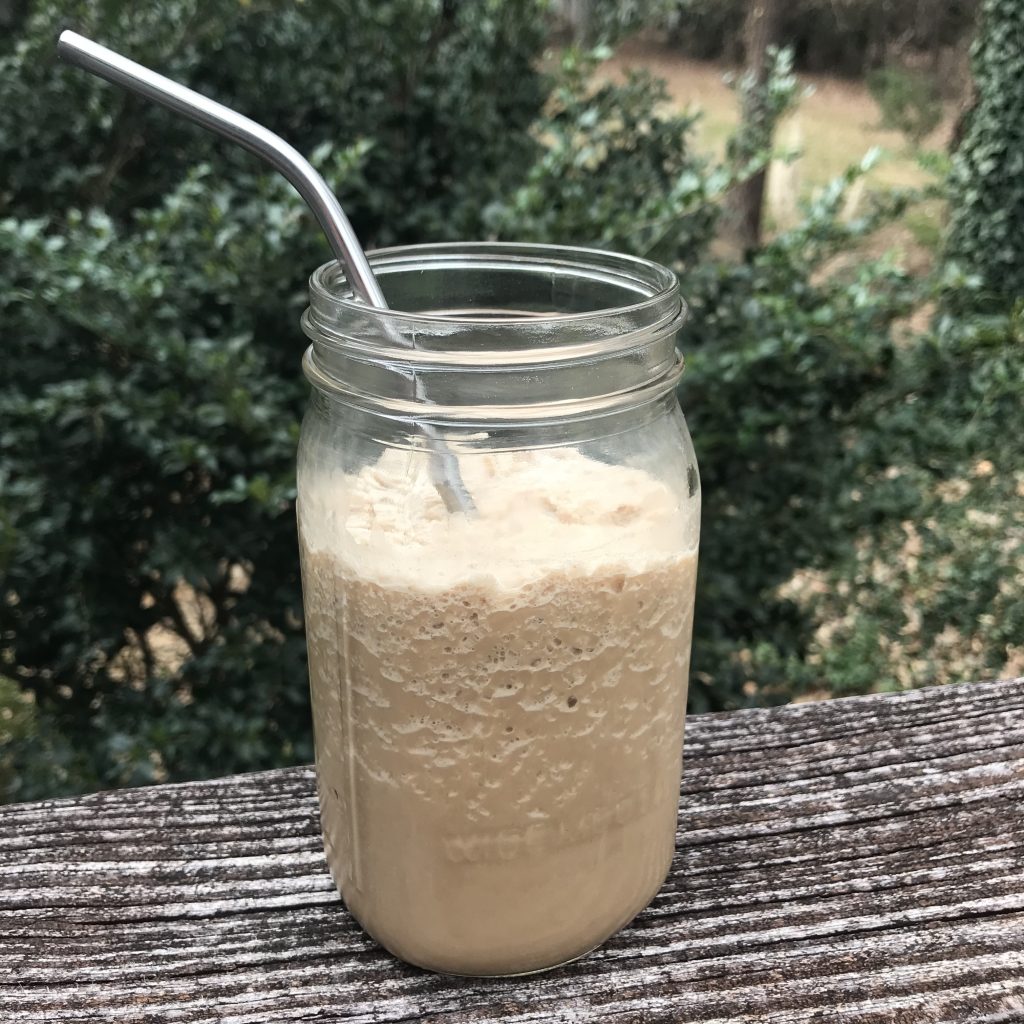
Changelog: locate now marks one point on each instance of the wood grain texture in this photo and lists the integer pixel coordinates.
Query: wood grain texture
(854, 862)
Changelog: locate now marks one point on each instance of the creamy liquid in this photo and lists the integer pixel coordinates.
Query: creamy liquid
(498, 701)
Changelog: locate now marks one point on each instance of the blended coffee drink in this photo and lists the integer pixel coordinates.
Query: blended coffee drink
(498, 699)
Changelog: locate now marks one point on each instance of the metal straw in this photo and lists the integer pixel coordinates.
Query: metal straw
(308, 182)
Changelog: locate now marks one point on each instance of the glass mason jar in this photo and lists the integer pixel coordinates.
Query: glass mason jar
(499, 688)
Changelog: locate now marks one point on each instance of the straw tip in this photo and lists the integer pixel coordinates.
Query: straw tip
(66, 41)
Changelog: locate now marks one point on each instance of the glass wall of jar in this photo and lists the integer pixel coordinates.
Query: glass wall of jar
(498, 518)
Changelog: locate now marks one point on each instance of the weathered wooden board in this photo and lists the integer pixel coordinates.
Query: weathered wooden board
(855, 862)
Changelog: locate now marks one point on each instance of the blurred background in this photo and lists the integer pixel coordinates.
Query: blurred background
(839, 184)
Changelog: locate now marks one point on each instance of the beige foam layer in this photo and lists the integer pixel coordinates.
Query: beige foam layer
(537, 512)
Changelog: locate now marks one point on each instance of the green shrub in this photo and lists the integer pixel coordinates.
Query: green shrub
(987, 185)
(616, 171)
(931, 586)
(151, 619)
(780, 350)
(926, 227)
(909, 101)
(151, 389)
(763, 105)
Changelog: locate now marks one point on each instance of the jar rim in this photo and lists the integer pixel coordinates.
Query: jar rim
(661, 282)
(482, 414)
(505, 329)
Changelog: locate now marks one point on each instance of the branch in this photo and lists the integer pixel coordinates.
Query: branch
(127, 142)
(170, 605)
(148, 657)
(219, 595)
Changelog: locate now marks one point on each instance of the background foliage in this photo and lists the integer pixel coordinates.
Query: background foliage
(988, 173)
(909, 101)
(151, 392)
(835, 36)
(150, 284)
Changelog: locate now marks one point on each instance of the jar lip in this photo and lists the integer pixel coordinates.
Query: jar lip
(660, 281)
(573, 408)
(508, 331)
(496, 359)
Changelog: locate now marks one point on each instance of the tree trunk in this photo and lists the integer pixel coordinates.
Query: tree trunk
(760, 30)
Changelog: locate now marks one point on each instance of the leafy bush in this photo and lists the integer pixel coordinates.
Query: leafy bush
(780, 350)
(151, 391)
(909, 101)
(931, 587)
(615, 172)
(987, 186)
(150, 625)
(764, 105)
